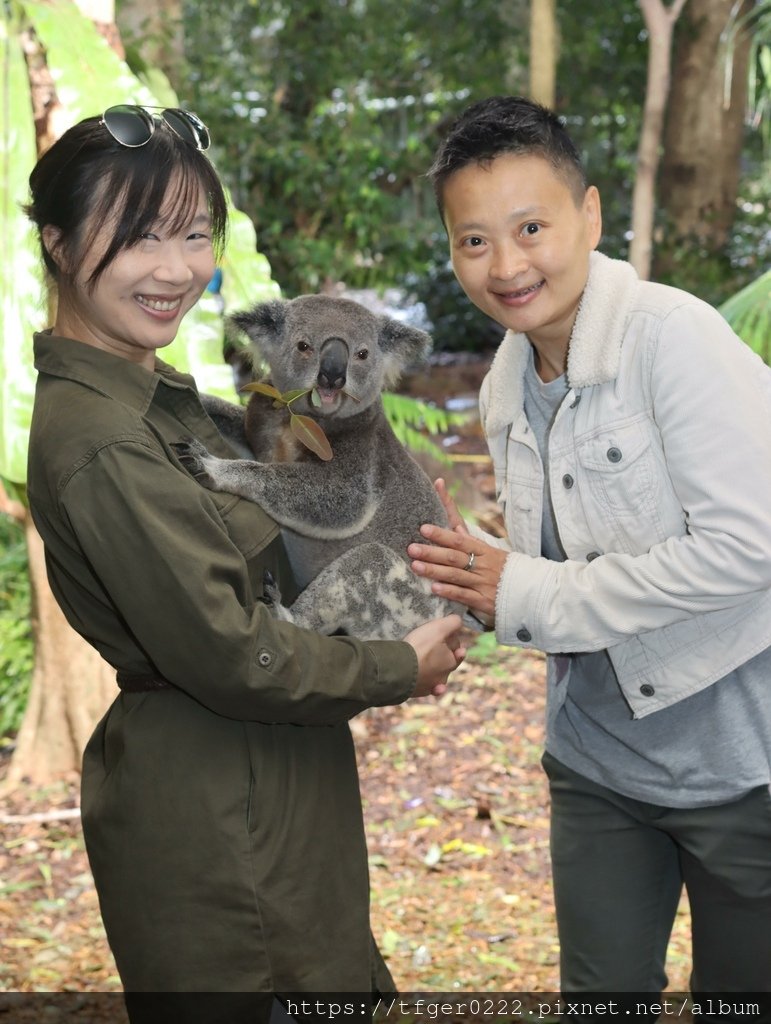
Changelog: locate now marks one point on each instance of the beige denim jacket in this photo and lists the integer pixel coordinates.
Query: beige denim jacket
(660, 475)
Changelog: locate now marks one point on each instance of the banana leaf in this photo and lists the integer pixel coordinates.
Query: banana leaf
(749, 313)
(22, 296)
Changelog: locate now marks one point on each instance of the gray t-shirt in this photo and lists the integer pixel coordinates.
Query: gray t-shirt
(709, 748)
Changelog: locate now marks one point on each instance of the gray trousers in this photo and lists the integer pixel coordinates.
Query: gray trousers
(619, 866)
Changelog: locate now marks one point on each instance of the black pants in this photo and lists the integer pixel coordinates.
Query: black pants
(619, 866)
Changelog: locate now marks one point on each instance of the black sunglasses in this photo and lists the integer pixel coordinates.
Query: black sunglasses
(133, 126)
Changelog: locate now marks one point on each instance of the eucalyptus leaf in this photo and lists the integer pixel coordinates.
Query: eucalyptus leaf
(264, 389)
(295, 393)
(308, 432)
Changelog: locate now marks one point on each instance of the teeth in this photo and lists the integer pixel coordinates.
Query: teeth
(526, 291)
(161, 305)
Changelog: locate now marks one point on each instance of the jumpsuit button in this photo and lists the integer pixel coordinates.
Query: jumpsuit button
(614, 454)
(265, 658)
(524, 636)
(592, 555)
(567, 481)
(647, 690)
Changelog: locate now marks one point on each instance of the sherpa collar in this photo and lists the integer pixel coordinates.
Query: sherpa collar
(595, 344)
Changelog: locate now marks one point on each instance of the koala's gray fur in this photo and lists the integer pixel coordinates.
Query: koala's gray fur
(346, 522)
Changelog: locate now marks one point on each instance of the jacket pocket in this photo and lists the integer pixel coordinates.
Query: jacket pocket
(619, 469)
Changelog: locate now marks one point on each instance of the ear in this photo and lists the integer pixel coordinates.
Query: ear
(593, 213)
(401, 345)
(263, 324)
(52, 240)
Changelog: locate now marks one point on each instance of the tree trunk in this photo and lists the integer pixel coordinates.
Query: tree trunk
(705, 126)
(543, 52)
(71, 686)
(660, 21)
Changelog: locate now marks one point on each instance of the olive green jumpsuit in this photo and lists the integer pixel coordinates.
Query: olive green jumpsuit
(221, 814)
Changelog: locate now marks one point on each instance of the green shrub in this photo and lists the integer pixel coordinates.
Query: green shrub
(16, 651)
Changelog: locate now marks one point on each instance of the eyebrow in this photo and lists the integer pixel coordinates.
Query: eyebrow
(518, 214)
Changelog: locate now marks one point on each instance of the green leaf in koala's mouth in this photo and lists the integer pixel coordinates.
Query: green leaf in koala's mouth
(315, 399)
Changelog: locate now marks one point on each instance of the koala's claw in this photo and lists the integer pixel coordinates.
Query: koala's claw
(271, 594)
(191, 454)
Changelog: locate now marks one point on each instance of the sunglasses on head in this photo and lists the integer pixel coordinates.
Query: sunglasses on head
(133, 126)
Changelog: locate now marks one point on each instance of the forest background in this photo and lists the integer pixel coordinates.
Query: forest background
(324, 118)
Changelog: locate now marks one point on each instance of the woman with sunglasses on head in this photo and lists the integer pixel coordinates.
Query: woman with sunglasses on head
(220, 798)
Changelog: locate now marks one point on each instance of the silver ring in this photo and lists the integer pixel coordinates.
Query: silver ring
(470, 564)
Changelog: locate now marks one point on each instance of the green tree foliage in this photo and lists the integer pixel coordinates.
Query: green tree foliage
(326, 117)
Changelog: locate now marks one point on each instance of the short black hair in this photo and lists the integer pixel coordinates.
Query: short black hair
(86, 178)
(507, 124)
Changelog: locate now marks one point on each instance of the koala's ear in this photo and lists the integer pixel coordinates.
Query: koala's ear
(263, 324)
(401, 346)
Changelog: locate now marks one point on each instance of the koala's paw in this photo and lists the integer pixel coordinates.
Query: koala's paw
(271, 597)
(196, 460)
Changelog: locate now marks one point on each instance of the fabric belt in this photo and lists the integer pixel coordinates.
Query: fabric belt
(131, 683)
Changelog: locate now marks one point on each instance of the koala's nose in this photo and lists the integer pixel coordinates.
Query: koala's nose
(334, 364)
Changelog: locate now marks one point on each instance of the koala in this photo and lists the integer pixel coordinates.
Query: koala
(346, 522)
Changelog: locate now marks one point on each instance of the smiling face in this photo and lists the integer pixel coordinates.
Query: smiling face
(136, 305)
(520, 244)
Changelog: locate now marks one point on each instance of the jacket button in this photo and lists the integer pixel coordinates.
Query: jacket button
(567, 481)
(647, 690)
(575, 401)
(592, 555)
(264, 658)
(524, 636)
(614, 454)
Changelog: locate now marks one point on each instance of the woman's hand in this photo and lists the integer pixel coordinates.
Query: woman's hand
(439, 652)
(463, 568)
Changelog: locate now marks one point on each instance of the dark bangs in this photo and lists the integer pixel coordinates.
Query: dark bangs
(135, 185)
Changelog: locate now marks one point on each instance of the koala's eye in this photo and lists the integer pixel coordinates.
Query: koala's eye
(303, 346)
(362, 353)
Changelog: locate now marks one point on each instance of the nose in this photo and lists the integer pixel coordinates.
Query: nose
(173, 267)
(334, 364)
(508, 262)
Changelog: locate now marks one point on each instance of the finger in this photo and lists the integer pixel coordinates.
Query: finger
(449, 625)
(447, 538)
(454, 518)
(460, 655)
(473, 599)
(447, 566)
